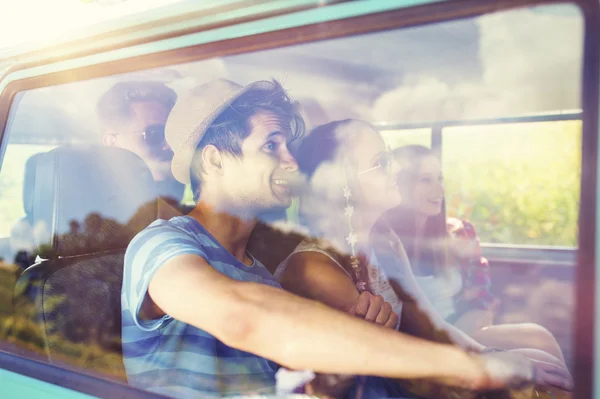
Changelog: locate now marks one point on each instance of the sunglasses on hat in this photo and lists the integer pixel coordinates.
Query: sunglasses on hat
(154, 135)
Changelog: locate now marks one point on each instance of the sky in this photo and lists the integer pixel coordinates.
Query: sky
(509, 63)
(530, 61)
(26, 21)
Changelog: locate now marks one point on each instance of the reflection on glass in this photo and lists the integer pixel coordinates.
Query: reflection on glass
(518, 182)
(395, 138)
(361, 217)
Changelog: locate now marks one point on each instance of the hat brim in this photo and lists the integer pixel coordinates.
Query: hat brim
(182, 159)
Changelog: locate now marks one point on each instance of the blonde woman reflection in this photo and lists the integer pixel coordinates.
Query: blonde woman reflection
(352, 182)
(450, 269)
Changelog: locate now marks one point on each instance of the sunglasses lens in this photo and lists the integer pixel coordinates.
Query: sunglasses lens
(385, 162)
(155, 135)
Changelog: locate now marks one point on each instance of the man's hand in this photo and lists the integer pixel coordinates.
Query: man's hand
(374, 309)
(552, 375)
(510, 370)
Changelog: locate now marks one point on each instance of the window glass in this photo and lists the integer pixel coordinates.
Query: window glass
(86, 166)
(517, 182)
(398, 138)
(11, 183)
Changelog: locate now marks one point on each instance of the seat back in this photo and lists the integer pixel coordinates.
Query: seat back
(91, 201)
(19, 247)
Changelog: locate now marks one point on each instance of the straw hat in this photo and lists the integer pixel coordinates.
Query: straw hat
(193, 114)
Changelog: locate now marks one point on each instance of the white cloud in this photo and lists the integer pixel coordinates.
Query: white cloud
(531, 62)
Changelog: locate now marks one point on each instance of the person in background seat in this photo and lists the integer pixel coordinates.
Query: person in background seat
(446, 259)
(133, 116)
(353, 181)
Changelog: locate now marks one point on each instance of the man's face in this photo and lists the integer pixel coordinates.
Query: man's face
(260, 180)
(143, 135)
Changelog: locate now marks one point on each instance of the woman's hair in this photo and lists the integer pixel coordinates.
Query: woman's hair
(325, 157)
(402, 219)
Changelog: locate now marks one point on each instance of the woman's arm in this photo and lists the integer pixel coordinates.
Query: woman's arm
(313, 275)
(419, 316)
(474, 320)
(316, 276)
(420, 307)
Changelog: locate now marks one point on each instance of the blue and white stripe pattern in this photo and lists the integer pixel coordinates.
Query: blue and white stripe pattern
(174, 358)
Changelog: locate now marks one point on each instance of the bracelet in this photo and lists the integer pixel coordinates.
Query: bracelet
(537, 394)
(490, 349)
(533, 371)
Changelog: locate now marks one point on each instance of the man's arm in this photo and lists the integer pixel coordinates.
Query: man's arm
(299, 333)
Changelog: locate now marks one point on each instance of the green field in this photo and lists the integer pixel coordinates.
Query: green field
(8, 276)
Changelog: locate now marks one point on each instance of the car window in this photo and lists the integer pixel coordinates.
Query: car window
(395, 138)
(539, 157)
(469, 110)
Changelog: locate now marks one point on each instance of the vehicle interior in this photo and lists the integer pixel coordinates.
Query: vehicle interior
(503, 111)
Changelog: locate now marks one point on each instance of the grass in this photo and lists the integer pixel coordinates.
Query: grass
(8, 277)
(518, 184)
(21, 330)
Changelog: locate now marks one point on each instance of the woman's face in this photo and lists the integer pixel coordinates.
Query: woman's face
(375, 169)
(428, 194)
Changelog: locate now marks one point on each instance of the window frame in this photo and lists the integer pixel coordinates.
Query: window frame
(313, 24)
(65, 376)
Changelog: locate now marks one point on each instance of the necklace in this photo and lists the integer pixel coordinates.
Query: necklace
(352, 239)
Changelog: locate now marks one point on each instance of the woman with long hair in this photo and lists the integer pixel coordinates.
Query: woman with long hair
(352, 181)
(448, 267)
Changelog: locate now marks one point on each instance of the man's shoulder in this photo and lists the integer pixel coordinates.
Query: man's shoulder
(179, 232)
(177, 226)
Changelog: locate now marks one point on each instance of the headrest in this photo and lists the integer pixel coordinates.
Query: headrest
(28, 184)
(88, 199)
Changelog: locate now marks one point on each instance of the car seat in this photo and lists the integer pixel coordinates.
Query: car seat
(92, 201)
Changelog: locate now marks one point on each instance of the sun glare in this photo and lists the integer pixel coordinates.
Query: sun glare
(25, 22)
